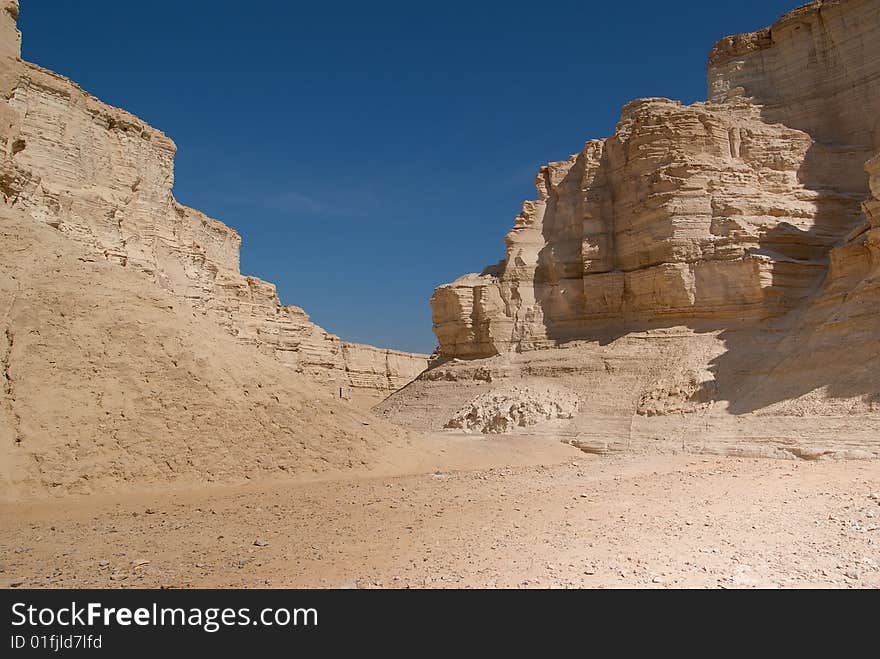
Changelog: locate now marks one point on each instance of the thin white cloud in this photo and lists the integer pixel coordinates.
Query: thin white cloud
(295, 202)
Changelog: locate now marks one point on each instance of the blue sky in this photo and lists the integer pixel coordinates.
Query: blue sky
(368, 152)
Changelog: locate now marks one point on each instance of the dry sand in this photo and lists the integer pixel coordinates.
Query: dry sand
(527, 513)
(111, 383)
(161, 421)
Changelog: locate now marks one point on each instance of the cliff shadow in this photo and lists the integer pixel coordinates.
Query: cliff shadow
(766, 360)
(804, 349)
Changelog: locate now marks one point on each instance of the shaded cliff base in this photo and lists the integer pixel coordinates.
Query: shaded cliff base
(767, 390)
(802, 385)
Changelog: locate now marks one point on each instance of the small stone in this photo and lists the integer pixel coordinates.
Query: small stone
(259, 542)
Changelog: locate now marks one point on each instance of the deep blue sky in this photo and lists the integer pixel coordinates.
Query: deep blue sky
(369, 151)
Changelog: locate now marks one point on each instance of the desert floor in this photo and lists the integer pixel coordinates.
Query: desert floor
(522, 514)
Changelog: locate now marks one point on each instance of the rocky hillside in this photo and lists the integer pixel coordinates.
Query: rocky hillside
(705, 277)
(133, 353)
(109, 381)
(719, 210)
(103, 178)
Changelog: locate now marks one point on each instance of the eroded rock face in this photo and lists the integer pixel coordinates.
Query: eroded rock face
(10, 37)
(505, 410)
(721, 210)
(707, 279)
(815, 70)
(104, 178)
(872, 206)
(110, 382)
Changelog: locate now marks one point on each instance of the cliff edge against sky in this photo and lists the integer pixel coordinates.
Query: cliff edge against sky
(703, 278)
(133, 352)
(104, 178)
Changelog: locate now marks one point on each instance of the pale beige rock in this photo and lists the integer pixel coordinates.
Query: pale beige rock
(707, 278)
(505, 410)
(104, 178)
(816, 70)
(110, 382)
(133, 353)
(10, 37)
(703, 211)
(725, 209)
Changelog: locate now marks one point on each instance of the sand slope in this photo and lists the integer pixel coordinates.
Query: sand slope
(107, 379)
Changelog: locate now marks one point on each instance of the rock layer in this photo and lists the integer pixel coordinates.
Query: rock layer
(816, 70)
(708, 277)
(724, 209)
(10, 37)
(110, 382)
(104, 178)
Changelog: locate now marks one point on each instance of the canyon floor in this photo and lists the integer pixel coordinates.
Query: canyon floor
(473, 512)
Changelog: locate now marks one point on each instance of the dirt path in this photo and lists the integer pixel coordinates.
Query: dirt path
(561, 519)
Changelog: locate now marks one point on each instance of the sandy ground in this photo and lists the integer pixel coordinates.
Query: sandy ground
(545, 515)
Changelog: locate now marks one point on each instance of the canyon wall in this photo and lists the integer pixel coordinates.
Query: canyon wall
(707, 278)
(104, 178)
(721, 210)
(816, 70)
(110, 382)
(10, 37)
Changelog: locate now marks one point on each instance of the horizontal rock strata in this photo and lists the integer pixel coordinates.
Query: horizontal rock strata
(708, 277)
(110, 382)
(104, 178)
(721, 210)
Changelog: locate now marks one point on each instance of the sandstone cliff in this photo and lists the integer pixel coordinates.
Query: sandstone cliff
(705, 278)
(104, 179)
(722, 209)
(110, 382)
(10, 37)
(687, 212)
(815, 70)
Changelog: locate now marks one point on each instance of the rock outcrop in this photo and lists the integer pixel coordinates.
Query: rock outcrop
(104, 178)
(721, 210)
(110, 382)
(505, 410)
(708, 277)
(827, 359)
(815, 70)
(10, 37)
